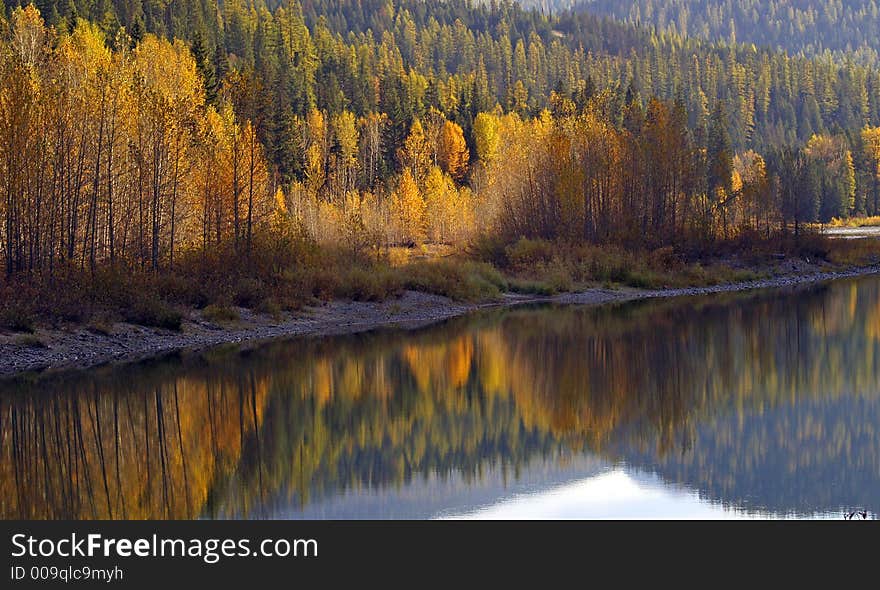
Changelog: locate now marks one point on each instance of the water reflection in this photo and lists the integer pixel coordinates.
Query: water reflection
(617, 494)
(747, 404)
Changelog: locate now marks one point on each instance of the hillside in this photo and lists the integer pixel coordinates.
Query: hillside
(162, 155)
(846, 29)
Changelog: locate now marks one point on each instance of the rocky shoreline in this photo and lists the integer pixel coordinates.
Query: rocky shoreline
(79, 347)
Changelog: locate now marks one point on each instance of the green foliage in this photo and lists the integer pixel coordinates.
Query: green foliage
(489, 247)
(358, 283)
(525, 253)
(531, 287)
(460, 280)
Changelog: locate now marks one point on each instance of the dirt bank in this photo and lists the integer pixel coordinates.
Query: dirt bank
(78, 347)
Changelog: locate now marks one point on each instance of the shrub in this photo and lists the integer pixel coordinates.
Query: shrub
(218, 313)
(465, 281)
(249, 292)
(813, 246)
(664, 259)
(270, 307)
(525, 252)
(607, 263)
(531, 287)
(147, 311)
(187, 289)
(489, 248)
(19, 318)
(643, 279)
(558, 279)
(365, 283)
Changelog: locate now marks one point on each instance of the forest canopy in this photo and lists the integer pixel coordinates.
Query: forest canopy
(161, 138)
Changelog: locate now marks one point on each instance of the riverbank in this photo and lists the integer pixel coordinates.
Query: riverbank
(79, 347)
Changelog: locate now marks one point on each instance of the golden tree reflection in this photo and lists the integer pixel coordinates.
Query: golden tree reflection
(244, 434)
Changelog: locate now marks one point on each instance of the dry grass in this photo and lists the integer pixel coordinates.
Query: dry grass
(861, 252)
(220, 313)
(543, 267)
(285, 273)
(458, 279)
(277, 278)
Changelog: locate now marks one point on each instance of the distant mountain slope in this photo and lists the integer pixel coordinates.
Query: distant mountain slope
(810, 27)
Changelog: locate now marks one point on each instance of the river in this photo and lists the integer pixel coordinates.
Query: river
(742, 405)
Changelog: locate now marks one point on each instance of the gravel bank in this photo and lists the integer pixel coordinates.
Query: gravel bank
(80, 348)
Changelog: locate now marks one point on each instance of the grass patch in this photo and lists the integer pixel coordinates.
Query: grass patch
(528, 287)
(269, 307)
(219, 313)
(858, 252)
(289, 272)
(365, 283)
(461, 280)
(545, 268)
(154, 313)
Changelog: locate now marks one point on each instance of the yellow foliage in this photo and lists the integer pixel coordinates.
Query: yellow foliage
(452, 152)
(415, 153)
(486, 137)
(408, 210)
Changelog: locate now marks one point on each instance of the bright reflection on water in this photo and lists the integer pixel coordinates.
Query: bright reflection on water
(617, 494)
(737, 406)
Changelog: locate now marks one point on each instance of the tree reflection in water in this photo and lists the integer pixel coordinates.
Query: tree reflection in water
(766, 401)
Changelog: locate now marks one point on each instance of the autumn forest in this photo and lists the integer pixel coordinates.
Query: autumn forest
(261, 154)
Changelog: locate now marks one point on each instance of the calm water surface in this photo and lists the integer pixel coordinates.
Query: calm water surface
(737, 406)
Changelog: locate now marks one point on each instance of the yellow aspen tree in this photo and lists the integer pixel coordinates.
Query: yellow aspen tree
(346, 146)
(259, 196)
(486, 137)
(169, 94)
(408, 211)
(315, 150)
(453, 153)
(415, 155)
(440, 206)
(433, 126)
(210, 178)
(370, 147)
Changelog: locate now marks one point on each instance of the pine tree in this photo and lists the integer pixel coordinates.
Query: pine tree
(205, 67)
(719, 155)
